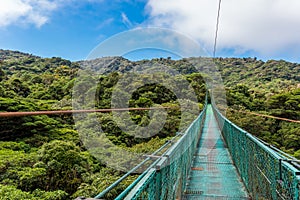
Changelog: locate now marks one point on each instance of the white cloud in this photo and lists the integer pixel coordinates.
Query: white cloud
(268, 27)
(125, 20)
(25, 12)
(105, 23)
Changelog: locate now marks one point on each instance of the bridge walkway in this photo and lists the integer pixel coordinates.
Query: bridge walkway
(213, 174)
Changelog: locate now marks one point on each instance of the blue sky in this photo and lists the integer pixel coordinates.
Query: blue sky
(74, 29)
(71, 29)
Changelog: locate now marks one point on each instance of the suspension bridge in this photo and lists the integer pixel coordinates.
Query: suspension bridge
(215, 159)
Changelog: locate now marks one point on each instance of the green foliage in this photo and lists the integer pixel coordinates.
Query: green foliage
(282, 134)
(15, 146)
(11, 192)
(100, 181)
(42, 157)
(8, 192)
(266, 77)
(11, 159)
(270, 88)
(55, 195)
(64, 164)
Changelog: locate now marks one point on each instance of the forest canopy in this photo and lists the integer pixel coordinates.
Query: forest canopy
(43, 157)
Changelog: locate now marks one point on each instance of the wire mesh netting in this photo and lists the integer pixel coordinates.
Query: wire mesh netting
(265, 173)
(167, 178)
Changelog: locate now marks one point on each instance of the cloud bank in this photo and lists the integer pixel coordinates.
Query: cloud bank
(267, 27)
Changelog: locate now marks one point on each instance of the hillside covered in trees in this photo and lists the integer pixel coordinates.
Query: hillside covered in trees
(267, 88)
(43, 157)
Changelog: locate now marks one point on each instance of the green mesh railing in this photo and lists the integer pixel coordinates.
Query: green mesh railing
(167, 177)
(265, 171)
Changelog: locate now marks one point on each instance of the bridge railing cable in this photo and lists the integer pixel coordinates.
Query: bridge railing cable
(266, 173)
(144, 162)
(168, 178)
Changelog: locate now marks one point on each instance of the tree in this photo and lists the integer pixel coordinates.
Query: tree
(65, 165)
(2, 74)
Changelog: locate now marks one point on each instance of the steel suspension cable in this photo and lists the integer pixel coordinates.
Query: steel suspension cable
(58, 112)
(217, 29)
(267, 116)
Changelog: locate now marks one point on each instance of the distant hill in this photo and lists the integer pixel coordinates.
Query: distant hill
(272, 76)
(7, 54)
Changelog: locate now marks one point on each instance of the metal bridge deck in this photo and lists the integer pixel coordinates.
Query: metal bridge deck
(213, 175)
